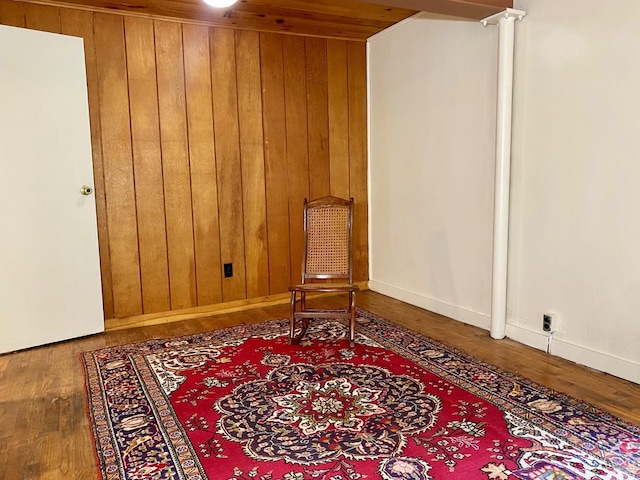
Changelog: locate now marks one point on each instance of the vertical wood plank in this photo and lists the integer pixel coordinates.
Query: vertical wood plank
(79, 23)
(295, 93)
(357, 71)
(318, 117)
(204, 189)
(42, 17)
(338, 99)
(274, 120)
(12, 13)
(147, 163)
(252, 162)
(175, 163)
(225, 121)
(118, 164)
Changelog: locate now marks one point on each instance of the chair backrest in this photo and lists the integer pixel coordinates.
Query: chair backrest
(328, 235)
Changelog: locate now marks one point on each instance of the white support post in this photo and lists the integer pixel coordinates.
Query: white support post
(506, 25)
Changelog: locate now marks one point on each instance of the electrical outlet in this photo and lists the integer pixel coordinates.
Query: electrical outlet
(549, 322)
(228, 270)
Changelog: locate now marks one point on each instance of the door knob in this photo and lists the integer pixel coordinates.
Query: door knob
(86, 190)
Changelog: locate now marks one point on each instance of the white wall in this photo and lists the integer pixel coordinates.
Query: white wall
(432, 128)
(575, 223)
(575, 217)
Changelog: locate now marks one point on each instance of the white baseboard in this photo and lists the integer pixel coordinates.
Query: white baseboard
(527, 337)
(457, 313)
(601, 361)
(604, 362)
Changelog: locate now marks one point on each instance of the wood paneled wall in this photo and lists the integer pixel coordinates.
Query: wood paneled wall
(205, 142)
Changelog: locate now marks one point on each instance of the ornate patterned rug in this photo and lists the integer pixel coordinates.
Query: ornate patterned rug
(241, 403)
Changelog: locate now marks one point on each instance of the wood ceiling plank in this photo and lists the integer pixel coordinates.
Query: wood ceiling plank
(303, 17)
(360, 10)
(472, 9)
(290, 24)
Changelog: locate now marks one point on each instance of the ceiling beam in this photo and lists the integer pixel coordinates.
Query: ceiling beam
(473, 9)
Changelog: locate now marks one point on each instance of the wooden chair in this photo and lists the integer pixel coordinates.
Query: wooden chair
(327, 258)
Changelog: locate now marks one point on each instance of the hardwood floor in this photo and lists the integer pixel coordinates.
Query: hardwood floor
(44, 432)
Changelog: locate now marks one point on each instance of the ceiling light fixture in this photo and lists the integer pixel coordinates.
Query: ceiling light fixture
(220, 3)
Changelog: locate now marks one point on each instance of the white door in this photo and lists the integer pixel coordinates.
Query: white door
(49, 265)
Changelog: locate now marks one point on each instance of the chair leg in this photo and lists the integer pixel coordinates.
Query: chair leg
(304, 323)
(292, 318)
(352, 320)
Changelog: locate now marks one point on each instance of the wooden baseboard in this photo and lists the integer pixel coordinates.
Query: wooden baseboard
(147, 319)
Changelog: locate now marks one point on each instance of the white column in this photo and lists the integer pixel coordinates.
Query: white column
(506, 25)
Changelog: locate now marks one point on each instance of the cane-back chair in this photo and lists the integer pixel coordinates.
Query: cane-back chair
(327, 264)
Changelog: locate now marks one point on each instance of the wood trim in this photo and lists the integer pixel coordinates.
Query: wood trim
(208, 310)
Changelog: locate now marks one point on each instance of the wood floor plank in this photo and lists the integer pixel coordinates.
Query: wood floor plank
(44, 432)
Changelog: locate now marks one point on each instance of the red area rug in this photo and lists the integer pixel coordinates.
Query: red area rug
(241, 403)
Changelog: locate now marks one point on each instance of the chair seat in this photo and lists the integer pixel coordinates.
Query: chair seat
(324, 287)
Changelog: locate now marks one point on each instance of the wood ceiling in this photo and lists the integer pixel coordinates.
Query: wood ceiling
(345, 19)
